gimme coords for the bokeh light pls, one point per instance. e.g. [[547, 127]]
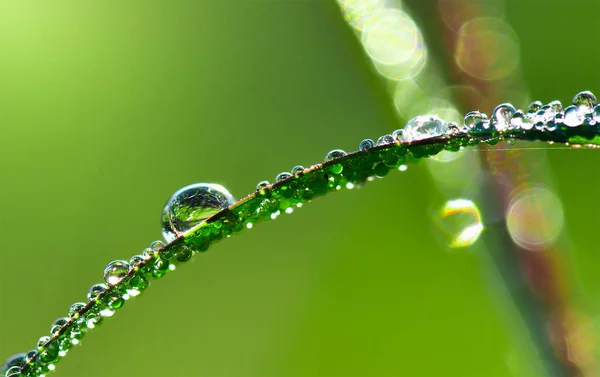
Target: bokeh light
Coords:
[[460, 221]]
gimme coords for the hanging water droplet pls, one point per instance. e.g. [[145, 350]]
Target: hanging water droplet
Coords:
[[366, 144], [57, 325], [75, 309], [573, 117], [282, 176], [502, 115], [16, 360], [425, 127], [115, 271], [534, 107], [192, 205], [95, 290], [385, 139], [297, 169], [476, 119], [585, 101], [556, 105], [334, 154], [262, 185]]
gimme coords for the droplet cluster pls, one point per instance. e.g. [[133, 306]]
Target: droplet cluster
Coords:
[[200, 214]]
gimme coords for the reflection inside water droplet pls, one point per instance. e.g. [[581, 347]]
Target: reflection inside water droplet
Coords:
[[460, 221], [191, 205]]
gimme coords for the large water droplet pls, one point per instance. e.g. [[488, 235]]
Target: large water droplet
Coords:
[[115, 271], [366, 144], [16, 360], [191, 205], [95, 290], [502, 115], [13, 372], [573, 117], [585, 101], [425, 127], [334, 154]]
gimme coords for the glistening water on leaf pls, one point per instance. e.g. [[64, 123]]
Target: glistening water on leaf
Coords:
[[200, 214]]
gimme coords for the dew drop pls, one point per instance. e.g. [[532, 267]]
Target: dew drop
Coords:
[[425, 127], [95, 290], [398, 135], [366, 144], [297, 169], [57, 325], [585, 101], [502, 115], [573, 117], [476, 119], [534, 107], [16, 360], [192, 205], [13, 372], [596, 113], [115, 271], [385, 140], [262, 185], [42, 341], [282, 176], [75, 309], [334, 154], [135, 261], [556, 105]]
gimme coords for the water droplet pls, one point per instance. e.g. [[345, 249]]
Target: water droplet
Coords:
[[13, 372], [398, 135], [282, 176], [573, 117], [135, 261], [75, 309], [425, 127], [297, 169], [534, 107], [366, 144], [42, 341], [476, 119], [385, 139], [585, 101], [596, 113], [115, 271], [192, 205], [95, 290], [334, 154], [262, 185], [517, 119], [16, 360], [57, 325], [556, 105], [502, 115]]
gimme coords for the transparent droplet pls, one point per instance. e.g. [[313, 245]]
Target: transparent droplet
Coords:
[[517, 119], [596, 113], [366, 144], [297, 169], [42, 341], [585, 101], [192, 205], [556, 105], [13, 372], [385, 139], [57, 325], [425, 127], [334, 154], [282, 176], [573, 117], [115, 271], [398, 135], [262, 185], [16, 360], [476, 119], [502, 115], [534, 107], [95, 290], [461, 223], [135, 261], [75, 309]]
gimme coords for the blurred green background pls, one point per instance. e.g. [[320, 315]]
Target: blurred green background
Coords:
[[109, 106]]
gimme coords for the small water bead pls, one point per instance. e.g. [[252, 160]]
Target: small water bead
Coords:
[[262, 185], [136, 261], [366, 144], [573, 117], [585, 101], [534, 107], [398, 135], [556, 105], [192, 205], [95, 290], [16, 360], [385, 140], [596, 113], [520, 120], [282, 176], [502, 115], [115, 271], [57, 325], [334, 154], [476, 119], [75, 309], [298, 169], [425, 127]]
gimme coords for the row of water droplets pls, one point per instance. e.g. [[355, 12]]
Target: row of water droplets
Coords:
[[192, 205]]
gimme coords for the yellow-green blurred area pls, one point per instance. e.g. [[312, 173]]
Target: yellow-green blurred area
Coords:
[[107, 107]]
